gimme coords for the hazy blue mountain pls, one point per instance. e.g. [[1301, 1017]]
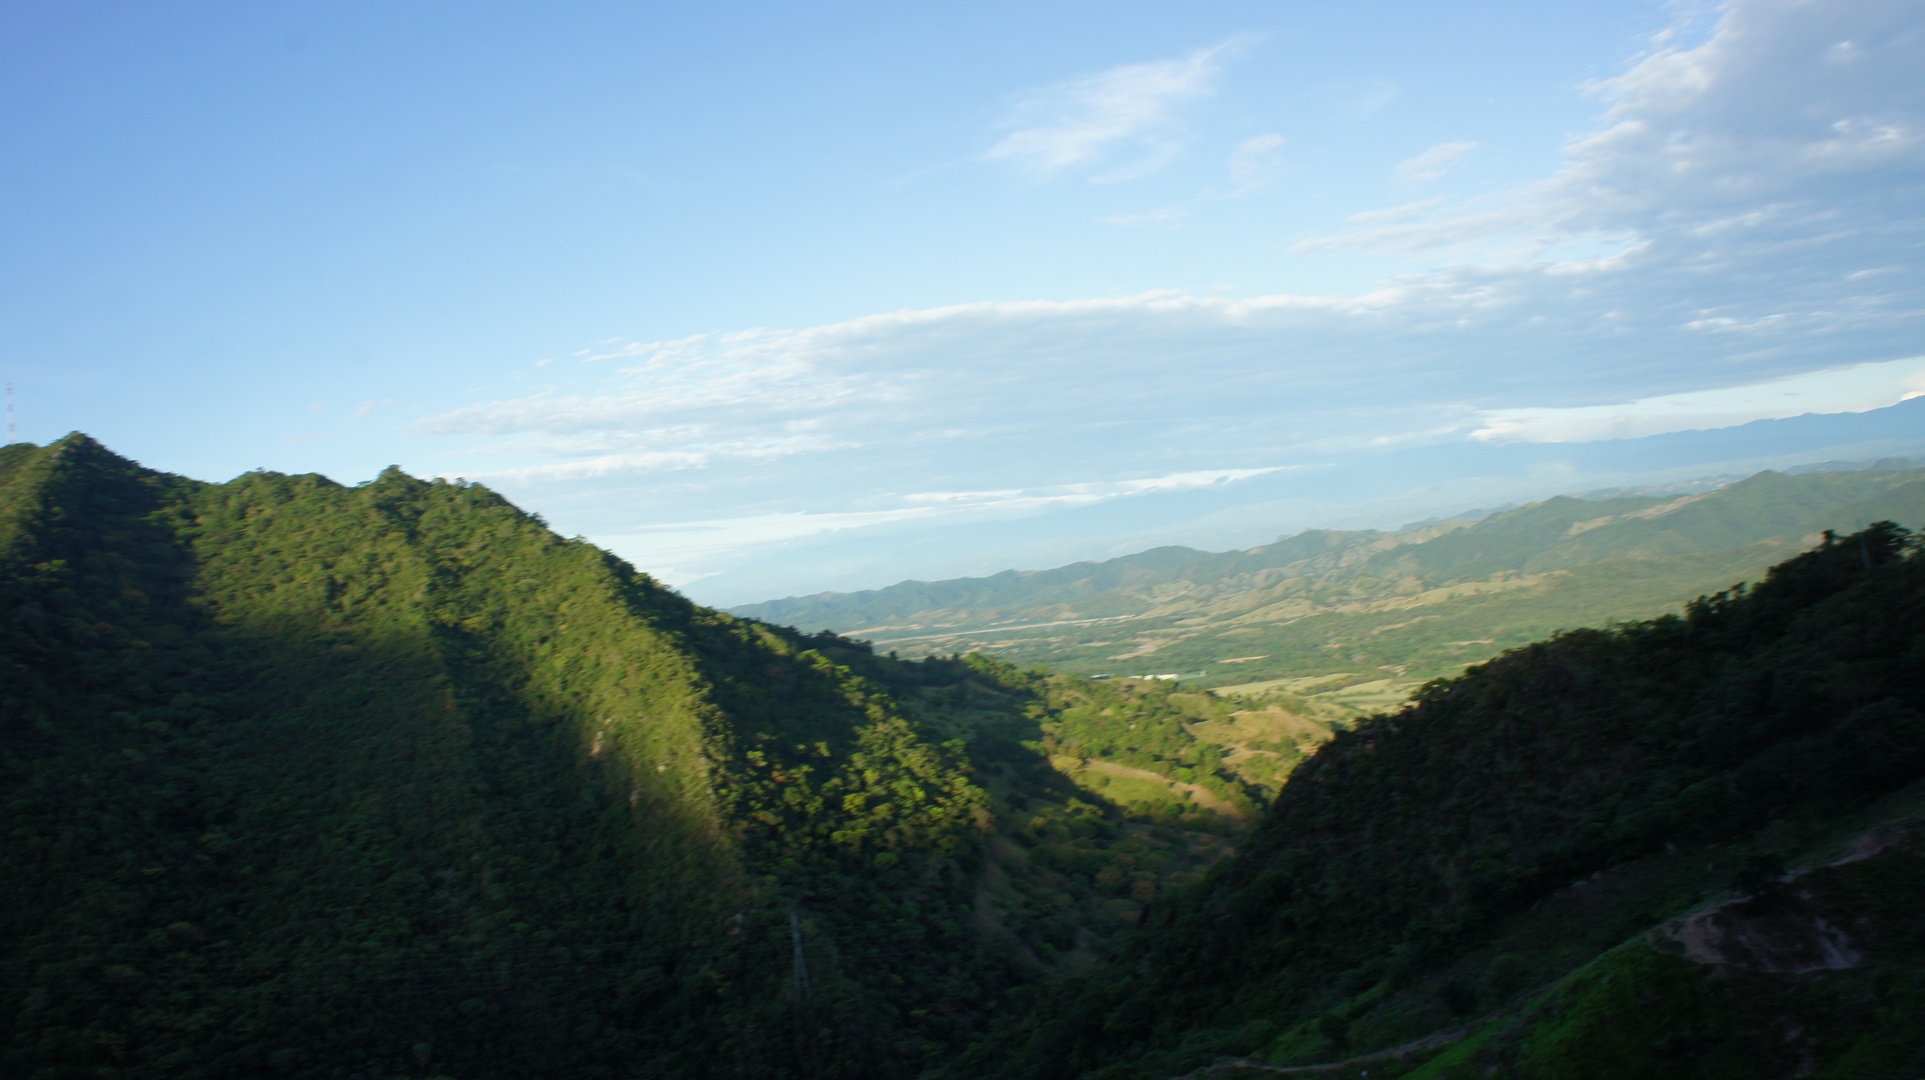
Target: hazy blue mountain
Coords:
[[1379, 490], [1406, 605]]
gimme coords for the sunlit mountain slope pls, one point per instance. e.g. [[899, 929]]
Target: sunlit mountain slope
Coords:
[[1683, 847], [315, 780], [1362, 607]]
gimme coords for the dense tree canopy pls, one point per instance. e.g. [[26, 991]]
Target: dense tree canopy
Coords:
[[391, 781]]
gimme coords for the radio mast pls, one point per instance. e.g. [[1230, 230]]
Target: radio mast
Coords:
[[11, 430]]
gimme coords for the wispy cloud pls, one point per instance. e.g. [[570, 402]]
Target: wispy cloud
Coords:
[[1126, 120], [1166, 216], [587, 464], [1742, 221], [1855, 389], [1076, 494], [367, 407], [1355, 99], [1037, 393], [1757, 138], [1433, 162], [1255, 164], [1392, 214], [677, 550]]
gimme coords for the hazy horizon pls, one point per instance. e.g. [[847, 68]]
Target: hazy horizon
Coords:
[[1223, 518]]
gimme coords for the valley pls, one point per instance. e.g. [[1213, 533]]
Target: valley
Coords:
[[1362, 610], [390, 781]]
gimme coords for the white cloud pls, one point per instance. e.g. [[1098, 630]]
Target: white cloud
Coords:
[[1856, 389], [1028, 393], [1166, 216], [367, 407], [1077, 494], [1755, 138], [1748, 213], [1126, 118], [1391, 214], [605, 465], [676, 550], [1433, 162], [693, 455], [1255, 164], [1354, 100]]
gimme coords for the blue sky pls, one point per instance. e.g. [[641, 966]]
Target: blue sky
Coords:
[[772, 298]]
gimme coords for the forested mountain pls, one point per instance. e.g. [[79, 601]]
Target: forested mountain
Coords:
[[1363, 606], [389, 781], [1692, 846]]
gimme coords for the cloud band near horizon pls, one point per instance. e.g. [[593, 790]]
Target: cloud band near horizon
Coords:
[[1746, 214]]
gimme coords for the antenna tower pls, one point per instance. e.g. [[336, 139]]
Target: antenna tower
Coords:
[[11, 430]]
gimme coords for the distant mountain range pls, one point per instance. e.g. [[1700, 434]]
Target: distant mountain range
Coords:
[[1376, 490], [1687, 847], [1401, 606]]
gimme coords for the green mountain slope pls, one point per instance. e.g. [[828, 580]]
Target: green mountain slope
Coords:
[[311, 780], [315, 781], [1372, 606], [1571, 862]]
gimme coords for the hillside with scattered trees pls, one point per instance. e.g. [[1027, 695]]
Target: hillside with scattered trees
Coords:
[[1682, 847]]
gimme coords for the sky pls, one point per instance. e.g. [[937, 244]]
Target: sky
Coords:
[[778, 298]]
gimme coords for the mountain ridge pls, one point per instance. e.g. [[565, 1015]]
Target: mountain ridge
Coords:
[[421, 757], [1283, 552], [1308, 598], [312, 780], [1575, 857]]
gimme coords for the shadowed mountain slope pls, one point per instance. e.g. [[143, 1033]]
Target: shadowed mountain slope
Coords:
[[307, 780], [317, 780], [1555, 819]]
